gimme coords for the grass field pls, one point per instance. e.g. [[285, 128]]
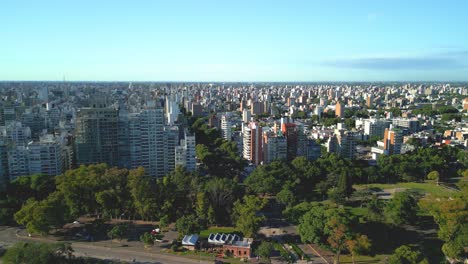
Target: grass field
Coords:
[[429, 188], [227, 230]]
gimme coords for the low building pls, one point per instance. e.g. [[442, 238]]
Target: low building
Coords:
[[190, 242], [239, 249]]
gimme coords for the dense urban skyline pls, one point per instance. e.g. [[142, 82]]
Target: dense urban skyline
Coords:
[[237, 41]]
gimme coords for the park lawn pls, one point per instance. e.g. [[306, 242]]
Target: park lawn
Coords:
[[217, 229], [429, 188]]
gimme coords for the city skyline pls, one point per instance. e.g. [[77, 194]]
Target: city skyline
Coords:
[[206, 41]]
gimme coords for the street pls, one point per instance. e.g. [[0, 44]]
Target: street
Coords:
[[8, 236]]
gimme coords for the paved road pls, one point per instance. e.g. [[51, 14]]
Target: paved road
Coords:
[[8, 237]]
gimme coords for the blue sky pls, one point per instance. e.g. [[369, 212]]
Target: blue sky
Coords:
[[241, 40]]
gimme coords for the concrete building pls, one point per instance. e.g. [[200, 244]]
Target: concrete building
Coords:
[[246, 116], [226, 127], [393, 140], [376, 127], [44, 157], [252, 143], [142, 142], [274, 146], [290, 131], [257, 108], [343, 143], [185, 153], [411, 124], [171, 140], [339, 109], [97, 136]]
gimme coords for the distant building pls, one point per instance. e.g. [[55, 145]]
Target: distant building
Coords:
[[226, 127], [393, 140], [185, 153], [290, 131], [370, 101], [257, 108], [339, 109], [246, 116], [411, 124], [343, 143], [376, 127], [197, 109]]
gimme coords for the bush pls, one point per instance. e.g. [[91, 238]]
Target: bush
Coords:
[[147, 239], [119, 231]]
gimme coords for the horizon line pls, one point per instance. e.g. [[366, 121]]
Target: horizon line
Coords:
[[240, 81]]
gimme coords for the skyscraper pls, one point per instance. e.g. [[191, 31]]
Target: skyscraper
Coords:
[[226, 127], [252, 140], [142, 142], [97, 135]]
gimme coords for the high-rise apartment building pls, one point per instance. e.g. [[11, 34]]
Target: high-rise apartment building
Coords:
[[226, 127], [252, 143], [97, 135], [171, 139], [376, 127], [290, 131], [44, 157], [185, 153], [142, 141], [339, 109], [393, 140], [274, 146]]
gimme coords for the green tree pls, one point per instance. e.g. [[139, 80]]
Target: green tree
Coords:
[[450, 215], [358, 245], [401, 209], [434, 176], [164, 222], [42, 216], [407, 255], [268, 178], [118, 231], [201, 209], [337, 237], [245, 214], [312, 225], [375, 209], [286, 196], [38, 253], [221, 194], [142, 191], [187, 225], [264, 249], [321, 223], [147, 239], [343, 190]]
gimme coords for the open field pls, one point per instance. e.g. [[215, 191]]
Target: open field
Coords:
[[423, 188]]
